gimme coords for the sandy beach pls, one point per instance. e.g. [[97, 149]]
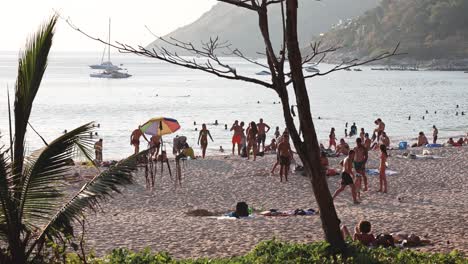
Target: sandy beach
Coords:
[[426, 197]]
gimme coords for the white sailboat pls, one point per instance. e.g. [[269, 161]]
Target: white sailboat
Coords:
[[110, 71]]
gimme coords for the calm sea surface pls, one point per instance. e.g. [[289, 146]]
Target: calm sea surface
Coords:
[[69, 98]]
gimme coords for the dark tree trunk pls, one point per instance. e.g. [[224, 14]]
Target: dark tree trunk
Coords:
[[309, 150]]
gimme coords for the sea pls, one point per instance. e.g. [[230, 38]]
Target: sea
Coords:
[[69, 97]]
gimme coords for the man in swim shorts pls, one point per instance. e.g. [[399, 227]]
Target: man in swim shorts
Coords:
[[360, 160], [346, 178], [237, 137], [435, 132], [135, 139], [261, 137]]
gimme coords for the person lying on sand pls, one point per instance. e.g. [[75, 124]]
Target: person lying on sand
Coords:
[[342, 148], [362, 233]]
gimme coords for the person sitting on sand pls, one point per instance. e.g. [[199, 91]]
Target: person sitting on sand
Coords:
[[346, 178], [187, 152], [284, 156], [460, 142], [362, 233], [237, 137], [252, 133], [155, 145], [324, 161], [203, 139], [221, 149], [450, 141], [332, 138], [135, 139], [342, 148], [272, 146], [422, 140]]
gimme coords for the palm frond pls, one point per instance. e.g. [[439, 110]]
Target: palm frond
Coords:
[[91, 194], [5, 199], [44, 173], [31, 68]]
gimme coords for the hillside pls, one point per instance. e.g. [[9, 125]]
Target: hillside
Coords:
[[240, 27], [427, 30]]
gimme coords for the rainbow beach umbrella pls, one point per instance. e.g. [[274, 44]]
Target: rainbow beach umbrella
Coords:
[[159, 126]]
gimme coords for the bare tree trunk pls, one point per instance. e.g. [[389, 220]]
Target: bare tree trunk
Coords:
[[309, 150]]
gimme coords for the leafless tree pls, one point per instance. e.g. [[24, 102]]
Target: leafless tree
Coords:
[[307, 145]]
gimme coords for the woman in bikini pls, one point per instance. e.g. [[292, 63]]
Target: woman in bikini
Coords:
[[252, 133], [382, 167], [203, 138], [332, 137]]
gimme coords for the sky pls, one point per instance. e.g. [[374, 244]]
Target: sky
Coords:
[[20, 18]]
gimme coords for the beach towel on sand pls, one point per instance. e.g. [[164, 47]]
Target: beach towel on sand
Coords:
[[375, 172]]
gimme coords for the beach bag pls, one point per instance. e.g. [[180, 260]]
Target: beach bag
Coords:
[[242, 209]]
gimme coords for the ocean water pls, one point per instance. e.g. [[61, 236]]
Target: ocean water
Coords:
[[69, 98]]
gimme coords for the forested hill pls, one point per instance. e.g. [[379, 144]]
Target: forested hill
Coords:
[[240, 26], [427, 30]]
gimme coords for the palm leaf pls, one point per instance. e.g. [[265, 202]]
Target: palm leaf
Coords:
[[91, 194], [5, 200], [31, 68], [44, 173]]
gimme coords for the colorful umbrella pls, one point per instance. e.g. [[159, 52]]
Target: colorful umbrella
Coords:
[[159, 126]]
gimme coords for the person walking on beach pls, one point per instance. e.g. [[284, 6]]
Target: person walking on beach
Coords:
[[263, 128], [332, 138], [203, 139], [237, 137], [382, 168], [360, 160], [346, 178], [277, 133], [98, 151], [252, 133], [284, 156], [435, 132], [135, 139]]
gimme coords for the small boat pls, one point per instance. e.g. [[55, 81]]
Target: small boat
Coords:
[[110, 74], [110, 71], [312, 69], [347, 69], [357, 69], [263, 73]]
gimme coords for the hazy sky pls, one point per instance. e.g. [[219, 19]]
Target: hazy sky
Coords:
[[19, 18]]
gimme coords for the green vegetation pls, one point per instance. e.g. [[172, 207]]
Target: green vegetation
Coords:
[[426, 29], [33, 210], [271, 252]]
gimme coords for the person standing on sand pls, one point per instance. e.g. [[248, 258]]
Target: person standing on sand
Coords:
[[385, 139], [135, 139], [360, 160], [379, 129], [346, 178], [367, 141], [98, 150], [203, 138], [362, 135], [278, 141], [262, 133], [382, 168], [237, 137], [252, 133], [155, 145], [435, 132], [277, 133], [284, 156], [332, 138]]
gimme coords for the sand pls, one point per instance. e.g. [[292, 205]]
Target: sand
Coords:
[[427, 197]]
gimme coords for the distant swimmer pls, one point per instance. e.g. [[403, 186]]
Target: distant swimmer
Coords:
[[458, 106], [423, 118], [65, 131], [435, 112], [456, 114], [346, 125], [157, 95], [95, 133], [258, 102], [221, 149], [196, 129], [216, 122], [319, 118], [98, 125], [194, 123], [409, 117], [274, 102], [427, 112], [463, 113], [225, 126]]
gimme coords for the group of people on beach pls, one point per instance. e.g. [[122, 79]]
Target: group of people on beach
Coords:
[[357, 158]]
